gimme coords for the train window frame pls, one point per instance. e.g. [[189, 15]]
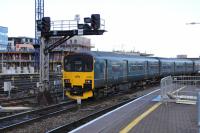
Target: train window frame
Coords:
[[154, 66], [116, 67], [136, 67]]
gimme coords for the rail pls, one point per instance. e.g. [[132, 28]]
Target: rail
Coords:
[[70, 126], [16, 120]]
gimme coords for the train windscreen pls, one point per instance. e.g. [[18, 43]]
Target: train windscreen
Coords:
[[78, 63]]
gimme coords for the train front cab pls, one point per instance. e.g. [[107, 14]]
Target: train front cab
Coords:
[[78, 76]]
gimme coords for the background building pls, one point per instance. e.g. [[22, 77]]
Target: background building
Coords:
[[20, 43], [182, 56], [75, 43], [12, 62], [20, 55], [3, 38]]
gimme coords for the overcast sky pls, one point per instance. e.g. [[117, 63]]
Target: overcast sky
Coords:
[[152, 26]]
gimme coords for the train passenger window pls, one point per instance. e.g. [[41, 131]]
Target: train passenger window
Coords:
[[101, 67], [136, 67], [78, 63], [116, 68]]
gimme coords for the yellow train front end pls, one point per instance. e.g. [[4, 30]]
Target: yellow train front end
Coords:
[[78, 76]]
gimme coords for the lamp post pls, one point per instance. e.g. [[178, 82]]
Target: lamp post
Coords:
[[198, 100], [192, 23]]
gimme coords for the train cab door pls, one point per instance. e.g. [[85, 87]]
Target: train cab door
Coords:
[[125, 70]]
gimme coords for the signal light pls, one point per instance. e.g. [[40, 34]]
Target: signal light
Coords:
[[87, 20], [84, 26], [46, 24], [95, 21], [80, 26]]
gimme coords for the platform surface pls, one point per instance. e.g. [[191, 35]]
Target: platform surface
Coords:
[[145, 115]]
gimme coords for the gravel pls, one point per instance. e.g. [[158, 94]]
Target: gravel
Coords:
[[82, 111]]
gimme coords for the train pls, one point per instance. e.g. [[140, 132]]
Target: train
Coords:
[[89, 74]]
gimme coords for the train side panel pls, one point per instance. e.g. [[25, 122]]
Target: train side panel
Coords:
[[180, 67], [137, 69], [197, 66], [189, 67], [100, 73], [166, 67], [153, 68]]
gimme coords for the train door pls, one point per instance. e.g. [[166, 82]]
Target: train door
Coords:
[[125, 70], [106, 72], [146, 69], [159, 68], [174, 68]]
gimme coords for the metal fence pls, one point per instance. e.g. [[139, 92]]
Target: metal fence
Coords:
[[180, 89]]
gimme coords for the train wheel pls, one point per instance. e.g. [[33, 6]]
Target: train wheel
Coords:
[[116, 89], [96, 94]]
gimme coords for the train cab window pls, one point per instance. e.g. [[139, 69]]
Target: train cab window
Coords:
[[78, 63]]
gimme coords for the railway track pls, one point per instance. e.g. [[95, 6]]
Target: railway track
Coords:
[[68, 127], [13, 121], [15, 101], [74, 116], [20, 100], [17, 105]]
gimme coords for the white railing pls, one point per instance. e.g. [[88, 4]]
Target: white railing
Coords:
[[180, 89]]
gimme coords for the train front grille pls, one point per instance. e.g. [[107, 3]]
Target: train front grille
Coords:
[[76, 90]]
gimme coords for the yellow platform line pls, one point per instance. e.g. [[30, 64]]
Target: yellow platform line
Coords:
[[139, 118]]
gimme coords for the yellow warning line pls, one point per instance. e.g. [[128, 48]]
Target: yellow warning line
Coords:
[[139, 118]]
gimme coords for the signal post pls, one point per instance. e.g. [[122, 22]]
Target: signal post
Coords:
[[92, 26]]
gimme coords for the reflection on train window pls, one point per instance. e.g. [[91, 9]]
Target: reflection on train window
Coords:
[[166, 66], [136, 67], [179, 66], [78, 63], [116, 68], [153, 66], [101, 67]]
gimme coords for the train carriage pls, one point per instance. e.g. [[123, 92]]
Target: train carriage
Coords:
[[197, 66], [86, 73], [166, 67]]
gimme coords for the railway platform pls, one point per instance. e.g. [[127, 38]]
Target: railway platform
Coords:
[[146, 114]]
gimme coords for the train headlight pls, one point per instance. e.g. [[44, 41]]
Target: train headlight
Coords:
[[88, 81], [66, 80]]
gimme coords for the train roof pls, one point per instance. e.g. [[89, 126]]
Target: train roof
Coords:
[[173, 59], [120, 56], [116, 56]]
